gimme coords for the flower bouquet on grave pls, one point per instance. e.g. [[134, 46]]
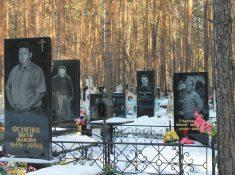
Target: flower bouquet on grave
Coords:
[[79, 123], [30, 168], [186, 139], [3, 168], [13, 168], [204, 126], [170, 137]]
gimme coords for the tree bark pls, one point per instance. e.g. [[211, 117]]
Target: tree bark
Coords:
[[188, 63], [172, 41], [31, 19], [60, 28], [206, 37], [7, 26], [107, 48], [145, 35], [224, 86], [163, 47], [1, 46]]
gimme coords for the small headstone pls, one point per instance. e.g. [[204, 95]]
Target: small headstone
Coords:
[[119, 107], [145, 93]]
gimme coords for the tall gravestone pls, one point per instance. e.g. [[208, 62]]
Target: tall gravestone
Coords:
[[190, 96], [28, 97], [66, 89], [119, 107], [145, 93]]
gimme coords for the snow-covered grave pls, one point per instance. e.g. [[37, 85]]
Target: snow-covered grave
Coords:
[[68, 170]]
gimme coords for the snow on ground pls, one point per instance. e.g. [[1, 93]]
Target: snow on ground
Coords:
[[113, 120], [73, 138], [69, 141], [29, 160], [159, 120], [150, 156], [68, 170]]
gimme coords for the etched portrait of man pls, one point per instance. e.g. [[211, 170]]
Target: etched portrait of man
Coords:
[[26, 84], [192, 101], [145, 84], [63, 93]]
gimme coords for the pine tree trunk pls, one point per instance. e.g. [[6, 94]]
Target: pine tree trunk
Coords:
[[188, 63], [145, 34], [206, 37], [107, 48], [1, 46], [31, 19], [163, 48], [60, 28], [225, 88], [7, 26], [172, 40], [53, 27]]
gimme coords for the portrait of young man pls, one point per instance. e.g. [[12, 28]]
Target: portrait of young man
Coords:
[[146, 86], [63, 93], [65, 89]]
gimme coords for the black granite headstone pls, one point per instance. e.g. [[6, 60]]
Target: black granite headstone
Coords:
[[66, 89], [93, 109], [104, 108], [145, 93], [119, 107], [28, 97], [190, 96]]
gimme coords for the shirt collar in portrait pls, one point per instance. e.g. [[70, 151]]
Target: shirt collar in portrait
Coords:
[[27, 67]]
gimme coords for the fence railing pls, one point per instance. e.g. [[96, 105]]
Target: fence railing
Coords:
[[140, 133], [127, 157], [138, 149]]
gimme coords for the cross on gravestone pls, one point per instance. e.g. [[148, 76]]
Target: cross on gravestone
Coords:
[[42, 42]]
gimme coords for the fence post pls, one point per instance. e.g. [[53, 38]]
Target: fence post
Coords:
[[170, 125], [105, 145], [213, 156], [181, 157]]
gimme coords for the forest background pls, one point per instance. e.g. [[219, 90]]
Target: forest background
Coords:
[[114, 39]]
